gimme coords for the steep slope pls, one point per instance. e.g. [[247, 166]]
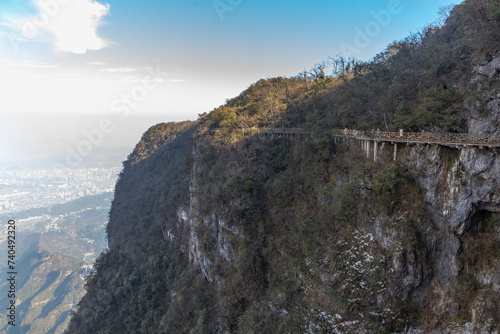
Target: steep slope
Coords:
[[55, 247], [136, 281], [48, 286], [216, 228]]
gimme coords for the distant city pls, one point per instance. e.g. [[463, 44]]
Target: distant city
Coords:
[[24, 190]]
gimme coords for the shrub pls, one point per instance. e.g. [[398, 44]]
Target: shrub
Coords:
[[385, 181]]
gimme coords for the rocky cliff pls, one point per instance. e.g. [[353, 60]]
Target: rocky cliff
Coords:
[[306, 235]]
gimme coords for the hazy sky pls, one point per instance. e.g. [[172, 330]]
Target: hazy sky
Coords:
[[172, 59]]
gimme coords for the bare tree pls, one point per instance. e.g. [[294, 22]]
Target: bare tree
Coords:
[[318, 72], [343, 67], [444, 13]]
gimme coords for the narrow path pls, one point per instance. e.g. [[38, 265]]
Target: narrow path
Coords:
[[445, 139]]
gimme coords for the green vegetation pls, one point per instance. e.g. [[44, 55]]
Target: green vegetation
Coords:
[[154, 138], [385, 181]]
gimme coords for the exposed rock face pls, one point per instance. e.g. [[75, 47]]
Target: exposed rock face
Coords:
[[194, 219], [457, 185], [484, 116], [490, 68], [455, 192], [220, 233]]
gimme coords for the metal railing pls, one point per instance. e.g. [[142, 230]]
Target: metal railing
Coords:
[[422, 137]]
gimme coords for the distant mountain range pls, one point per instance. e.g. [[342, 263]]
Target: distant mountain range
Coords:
[[53, 259], [48, 286]]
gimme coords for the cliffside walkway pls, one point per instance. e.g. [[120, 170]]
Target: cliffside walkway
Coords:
[[446, 139], [455, 140]]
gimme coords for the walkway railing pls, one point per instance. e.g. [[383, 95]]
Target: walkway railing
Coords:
[[459, 139]]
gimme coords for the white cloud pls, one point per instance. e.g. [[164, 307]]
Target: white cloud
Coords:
[[5, 28], [130, 79], [7, 24], [26, 64], [125, 69], [97, 63], [119, 70], [71, 24]]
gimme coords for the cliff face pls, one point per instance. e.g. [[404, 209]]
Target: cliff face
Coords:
[[418, 254], [144, 282], [279, 234], [193, 218], [461, 189]]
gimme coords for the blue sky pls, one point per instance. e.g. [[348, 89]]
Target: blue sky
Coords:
[[86, 57]]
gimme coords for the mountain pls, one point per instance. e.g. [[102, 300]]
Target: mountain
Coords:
[[221, 226], [48, 286], [56, 247]]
